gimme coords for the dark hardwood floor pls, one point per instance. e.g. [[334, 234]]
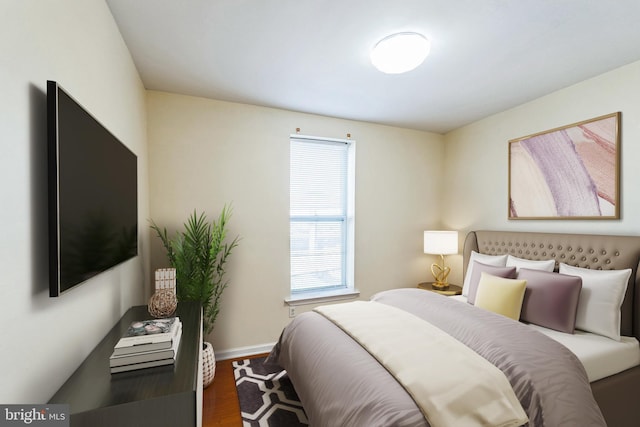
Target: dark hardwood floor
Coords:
[[220, 399]]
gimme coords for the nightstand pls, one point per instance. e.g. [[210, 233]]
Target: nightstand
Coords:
[[451, 290]]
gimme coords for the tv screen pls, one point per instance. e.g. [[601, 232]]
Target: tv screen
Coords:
[[93, 195]]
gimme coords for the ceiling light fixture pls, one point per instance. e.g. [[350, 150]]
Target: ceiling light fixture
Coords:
[[400, 52]]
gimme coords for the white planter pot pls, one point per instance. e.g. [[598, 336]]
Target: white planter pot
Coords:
[[208, 364]]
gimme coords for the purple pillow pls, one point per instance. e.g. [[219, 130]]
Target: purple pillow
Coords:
[[550, 299], [478, 269]]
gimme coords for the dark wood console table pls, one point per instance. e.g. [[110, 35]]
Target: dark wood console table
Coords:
[[168, 396]]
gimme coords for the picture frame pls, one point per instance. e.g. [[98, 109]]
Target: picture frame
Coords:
[[570, 172]]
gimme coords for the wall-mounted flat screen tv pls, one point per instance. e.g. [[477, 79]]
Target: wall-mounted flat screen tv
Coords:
[[93, 195]]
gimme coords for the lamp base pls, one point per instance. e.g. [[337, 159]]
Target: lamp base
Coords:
[[441, 286]]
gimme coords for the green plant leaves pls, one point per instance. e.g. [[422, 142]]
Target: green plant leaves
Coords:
[[199, 254]]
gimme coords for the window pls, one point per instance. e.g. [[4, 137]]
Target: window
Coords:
[[321, 216]]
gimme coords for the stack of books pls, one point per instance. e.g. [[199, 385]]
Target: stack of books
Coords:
[[147, 343]]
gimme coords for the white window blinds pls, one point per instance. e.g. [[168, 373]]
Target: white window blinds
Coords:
[[319, 200]]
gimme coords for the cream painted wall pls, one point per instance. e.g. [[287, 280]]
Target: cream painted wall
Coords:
[[205, 153], [477, 157], [76, 43]]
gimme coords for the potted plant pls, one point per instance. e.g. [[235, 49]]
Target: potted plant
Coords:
[[199, 254]]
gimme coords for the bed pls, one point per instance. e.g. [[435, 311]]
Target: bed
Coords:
[[341, 381]]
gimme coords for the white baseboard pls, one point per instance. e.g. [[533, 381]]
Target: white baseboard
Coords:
[[234, 353]]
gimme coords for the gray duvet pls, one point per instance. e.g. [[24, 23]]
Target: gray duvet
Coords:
[[340, 384]]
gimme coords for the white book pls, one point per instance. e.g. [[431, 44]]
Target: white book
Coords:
[[147, 356], [143, 365], [141, 348], [152, 331]]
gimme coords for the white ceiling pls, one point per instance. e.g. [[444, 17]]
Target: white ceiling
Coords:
[[313, 55]]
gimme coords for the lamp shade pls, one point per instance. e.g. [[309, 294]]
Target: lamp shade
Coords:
[[441, 242]]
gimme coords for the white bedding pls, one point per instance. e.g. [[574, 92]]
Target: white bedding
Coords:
[[600, 356], [475, 393]]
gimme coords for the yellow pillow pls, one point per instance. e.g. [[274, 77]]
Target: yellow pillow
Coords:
[[500, 295]]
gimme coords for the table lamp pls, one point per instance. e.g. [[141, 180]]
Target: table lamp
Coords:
[[440, 243]]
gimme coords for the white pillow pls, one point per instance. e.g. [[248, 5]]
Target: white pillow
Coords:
[[495, 260], [518, 263], [600, 299]]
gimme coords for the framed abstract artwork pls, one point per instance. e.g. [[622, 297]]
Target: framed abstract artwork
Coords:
[[572, 172]]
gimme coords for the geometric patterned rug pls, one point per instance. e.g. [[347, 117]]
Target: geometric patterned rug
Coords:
[[267, 397]]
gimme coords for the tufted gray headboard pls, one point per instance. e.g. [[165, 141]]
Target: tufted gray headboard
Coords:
[[582, 250]]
